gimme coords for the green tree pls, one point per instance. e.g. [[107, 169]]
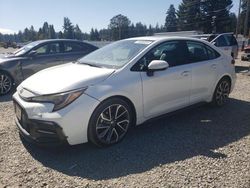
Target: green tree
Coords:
[[60, 35], [243, 16], [78, 33], [32, 34], [190, 15], [140, 29], [68, 29], [119, 25], [150, 31], [216, 15], [171, 19], [45, 30], [52, 33], [92, 34]]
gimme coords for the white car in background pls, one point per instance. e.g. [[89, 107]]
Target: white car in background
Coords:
[[225, 41], [122, 84]]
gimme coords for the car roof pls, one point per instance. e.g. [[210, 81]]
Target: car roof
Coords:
[[165, 38], [56, 40]]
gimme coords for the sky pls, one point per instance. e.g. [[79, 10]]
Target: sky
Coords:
[[15, 15]]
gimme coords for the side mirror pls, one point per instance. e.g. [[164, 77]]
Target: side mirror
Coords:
[[157, 65], [32, 53]]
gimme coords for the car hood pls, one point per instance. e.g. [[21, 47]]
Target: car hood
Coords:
[[4, 58], [64, 78]]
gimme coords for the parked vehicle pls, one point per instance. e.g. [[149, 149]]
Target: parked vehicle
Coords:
[[225, 41], [246, 51], [128, 82], [36, 56]]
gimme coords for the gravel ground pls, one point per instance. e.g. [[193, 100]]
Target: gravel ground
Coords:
[[201, 147]]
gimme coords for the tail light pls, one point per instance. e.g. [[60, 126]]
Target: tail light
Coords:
[[233, 61]]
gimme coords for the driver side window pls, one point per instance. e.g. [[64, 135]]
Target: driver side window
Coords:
[[51, 48], [173, 52]]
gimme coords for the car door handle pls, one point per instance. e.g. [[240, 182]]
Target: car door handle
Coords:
[[185, 73], [214, 66]]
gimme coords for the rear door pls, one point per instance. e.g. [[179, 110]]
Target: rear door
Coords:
[[205, 65], [75, 50]]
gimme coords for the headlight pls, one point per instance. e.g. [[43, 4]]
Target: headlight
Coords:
[[60, 100]]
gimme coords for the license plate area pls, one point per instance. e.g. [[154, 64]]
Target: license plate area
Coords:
[[18, 112]]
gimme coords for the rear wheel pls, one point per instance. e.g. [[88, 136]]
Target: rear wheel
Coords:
[[222, 92], [6, 83], [110, 122]]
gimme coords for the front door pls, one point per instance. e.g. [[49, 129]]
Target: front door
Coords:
[[47, 55], [167, 90]]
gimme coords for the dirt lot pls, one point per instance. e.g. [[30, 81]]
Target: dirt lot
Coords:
[[202, 147]]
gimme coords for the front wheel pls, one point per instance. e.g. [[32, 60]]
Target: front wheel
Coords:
[[109, 123], [6, 83], [222, 92]]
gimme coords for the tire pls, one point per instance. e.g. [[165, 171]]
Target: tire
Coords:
[[6, 83], [221, 93], [109, 122]]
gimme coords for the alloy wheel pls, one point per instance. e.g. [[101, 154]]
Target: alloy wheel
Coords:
[[5, 84], [112, 124], [222, 93]]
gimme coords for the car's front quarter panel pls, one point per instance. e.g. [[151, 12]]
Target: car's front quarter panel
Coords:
[[122, 83], [13, 67], [73, 119]]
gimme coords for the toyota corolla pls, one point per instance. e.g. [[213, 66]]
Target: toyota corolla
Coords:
[[125, 83]]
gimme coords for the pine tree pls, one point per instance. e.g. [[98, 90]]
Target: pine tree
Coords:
[[78, 33], [171, 19], [45, 30], [219, 11], [68, 29], [52, 33], [32, 33], [190, 15], [92, 34], [150, 31]]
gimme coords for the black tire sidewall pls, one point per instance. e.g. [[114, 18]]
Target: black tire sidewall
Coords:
[[92, 136]]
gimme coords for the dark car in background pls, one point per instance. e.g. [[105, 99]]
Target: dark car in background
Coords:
[[36, 56]]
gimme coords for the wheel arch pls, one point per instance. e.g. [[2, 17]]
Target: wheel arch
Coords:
[[226, 76], [9, 74]]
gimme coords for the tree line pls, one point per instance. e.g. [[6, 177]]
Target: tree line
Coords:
[[202, 15]]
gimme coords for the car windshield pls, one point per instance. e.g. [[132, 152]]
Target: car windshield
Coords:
[[115, 55], [26, 48]]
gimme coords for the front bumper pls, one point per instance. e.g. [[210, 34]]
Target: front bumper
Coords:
[[41, 133], [42, 125]]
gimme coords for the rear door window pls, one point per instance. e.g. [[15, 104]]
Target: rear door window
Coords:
[[222, 41], [73, 47], [212, 54], [232, 40], [197, 52]]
